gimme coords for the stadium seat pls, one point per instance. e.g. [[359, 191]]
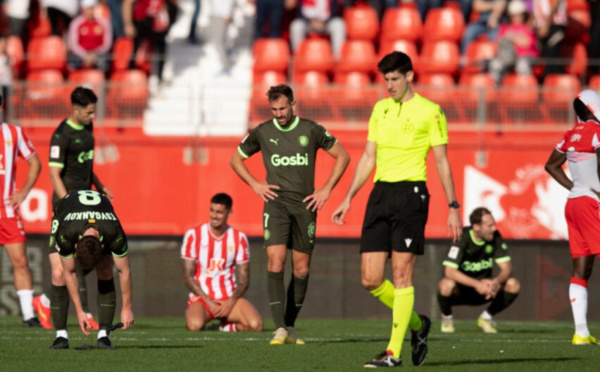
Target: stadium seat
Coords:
[[122, 49], [443, 24], [16, 53], [574, 5], [47, 53], [45, 96], [127, 93], [356, 55], [355, 96], [262, 81], [517, 98], [438, 88], [313, 54], [102, 11], [314, 95], [361, 22], [401, 23], [560, 89], [406, 46], [40, 27], [478, 53], [439, 57], [475, 87], [93, 79], [577, 52], [271, 54]]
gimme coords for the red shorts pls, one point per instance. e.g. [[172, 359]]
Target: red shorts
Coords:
[[11, 230], [200, 300], [583, 222]]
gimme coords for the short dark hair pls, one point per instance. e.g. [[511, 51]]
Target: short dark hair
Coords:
[[89, 251], [583, 112], [280, 90], [83, 97], [477, 215], [222, 198], [395, 61]]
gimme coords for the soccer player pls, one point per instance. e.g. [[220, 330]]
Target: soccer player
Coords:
[[12, 235], [289, 147], [85, 228], [71, 168], [468, 273], [402, 129], [216, 270], [581, 148]]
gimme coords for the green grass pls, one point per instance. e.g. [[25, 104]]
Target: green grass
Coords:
[[162, 344]]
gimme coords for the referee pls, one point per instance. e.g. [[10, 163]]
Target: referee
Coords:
[[402, 129]]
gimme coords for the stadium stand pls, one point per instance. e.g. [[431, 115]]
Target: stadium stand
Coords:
[[361, 22], [271, 54], [479, 52], [128, 93], [519, 96], [16, 53], [356, 56], [438, 57], [558, 93], [45, 96], [445, 23], [91, 78], [44, 53], [401, 23]]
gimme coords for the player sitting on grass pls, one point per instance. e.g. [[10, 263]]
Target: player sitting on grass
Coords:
[[468, 273]]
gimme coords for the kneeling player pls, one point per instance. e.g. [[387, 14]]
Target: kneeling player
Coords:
[[468, 273], [216, 269], [84, 225]]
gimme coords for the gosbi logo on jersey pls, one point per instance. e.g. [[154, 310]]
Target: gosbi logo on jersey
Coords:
[[85, 155], [296, 160], [215, 266], [477, 266]]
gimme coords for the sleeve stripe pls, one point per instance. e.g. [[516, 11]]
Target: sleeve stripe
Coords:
[[503, 259], [55, 164], [242, 153], [122, 254], [450, 263]]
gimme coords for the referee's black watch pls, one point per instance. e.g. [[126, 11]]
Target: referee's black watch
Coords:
[[454, 204]]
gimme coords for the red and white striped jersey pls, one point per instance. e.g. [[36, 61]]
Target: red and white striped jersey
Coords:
[[215, 259], [15, 143]]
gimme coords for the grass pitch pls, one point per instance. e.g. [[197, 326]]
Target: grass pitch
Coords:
[[163, 344]]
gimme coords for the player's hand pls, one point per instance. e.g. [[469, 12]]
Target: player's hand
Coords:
[[106, 191], [224, 308], [16, 198], [484, 288], [454, 224], [129, 30], [84, 324], [126, 318], [317, 199], [265, 191], [338, 215]]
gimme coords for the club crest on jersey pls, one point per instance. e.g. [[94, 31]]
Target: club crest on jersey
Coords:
[[408, 127], [230, 247], [215, 266], [311, 230], [303, 140], [267, 234], [489, 249]]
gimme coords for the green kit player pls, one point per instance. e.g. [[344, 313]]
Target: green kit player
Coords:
[[289, 147]]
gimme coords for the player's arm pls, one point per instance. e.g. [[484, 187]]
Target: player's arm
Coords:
[[35, 167], [101, 187], [365, 166], [123, 267], [503, 276], [482, 287], [554, 168], [262, 189], [243, 281], [57, 182], [320, 196], [129, 28], [445, 173], [189, 271], [68, 264]]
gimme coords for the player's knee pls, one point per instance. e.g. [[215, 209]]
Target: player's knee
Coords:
[[370, 283], [194, 324], [255, 325], [446, 286], [301, 273], [512, 285], [57, 278]]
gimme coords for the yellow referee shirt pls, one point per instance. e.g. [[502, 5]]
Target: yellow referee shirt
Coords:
[[404, 133]]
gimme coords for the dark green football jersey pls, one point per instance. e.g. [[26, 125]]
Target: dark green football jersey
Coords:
[[72, 149], [477, 259], [80, 210], [289, 154]]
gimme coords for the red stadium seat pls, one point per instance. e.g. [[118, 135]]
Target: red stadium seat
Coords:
[[313, 54], [262, 81], [478, 52], [594, 83], [560, 88], [46, 53], [361, 22], [355, 96], [40, 28], [271, 54], [102, 11], [438, 88], [45, 95], [517, 99], [439, 57], [356, 55], [405, 46], [122, 50], [93, 79], [574, 5], [401, 23], [476, 87], [314, 95], [16, 53], [443, 24], [128, 93], [578, 53]]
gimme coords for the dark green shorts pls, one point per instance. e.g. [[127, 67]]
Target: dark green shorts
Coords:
[[291, 224]]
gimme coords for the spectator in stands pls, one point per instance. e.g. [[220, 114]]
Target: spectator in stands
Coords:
[[90, 39], [379, 5], [425, 5], [221, 14], [150, 21], [550, 22], [116, 17], [594, 46], [516, 44], [321, 17], [192, 38], [271, 11], [489, 14], [6, 74], [18, 13], [60, 13]]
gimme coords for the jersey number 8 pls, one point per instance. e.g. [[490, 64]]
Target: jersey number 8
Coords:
[[89, 197]]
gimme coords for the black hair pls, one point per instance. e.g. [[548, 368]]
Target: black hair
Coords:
[[583, 112], [477, 215], [280, 90], [83, 97], [395, 61], [89, 252], [222, 198]]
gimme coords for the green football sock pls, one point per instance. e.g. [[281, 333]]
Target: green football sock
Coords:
[[59, 306], [83, 292], [295, 299], [107, 299], [404, 300], [276, 293], [385, 294], [501, 302]]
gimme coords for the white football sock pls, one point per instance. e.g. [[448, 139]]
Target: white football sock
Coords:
[[485, 315], [62, 333], [25, 298], [579, 303], [102, 333]]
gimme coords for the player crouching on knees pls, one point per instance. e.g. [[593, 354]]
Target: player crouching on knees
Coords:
[[216, 270], [468, 273]]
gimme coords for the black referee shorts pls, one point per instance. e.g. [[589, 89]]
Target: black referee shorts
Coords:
[[395, 218]]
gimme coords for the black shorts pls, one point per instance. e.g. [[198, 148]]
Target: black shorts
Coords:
[[291, 224], [463, 295], [395, 218]]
